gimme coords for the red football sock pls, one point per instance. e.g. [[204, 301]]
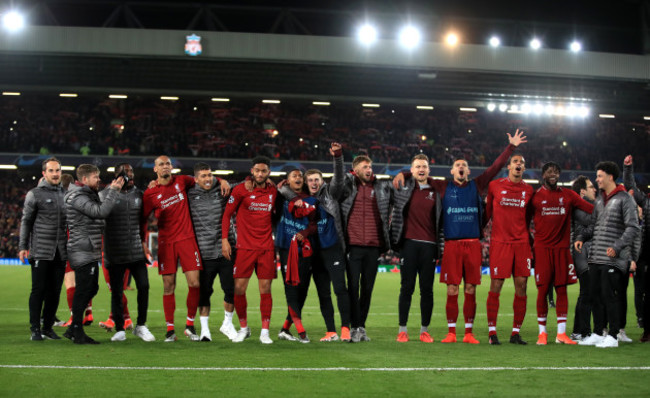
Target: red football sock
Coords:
[[70, 294], [192, 304], [562, 302], [296, 320], [519, 309], [452, 312], [469, 311], [169, 307], [542, 301], [266, 306], [240, 307], [492, 311], [287, 324]]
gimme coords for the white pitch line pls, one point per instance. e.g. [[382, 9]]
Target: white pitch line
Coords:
[[339, 369]]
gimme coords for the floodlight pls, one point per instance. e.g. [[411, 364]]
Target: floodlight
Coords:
[[367, 34], [491, 107], [451, 39], [495, 41], [503, 107], [535, 44], [409, 37], [575, 46], [13, 21]]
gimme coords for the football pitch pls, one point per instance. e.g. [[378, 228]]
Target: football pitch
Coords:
[[380, 367]]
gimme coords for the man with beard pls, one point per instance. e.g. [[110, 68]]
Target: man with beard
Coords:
[[365, 204], [207, 204], [254, 245], [43, 240], [510, 255], [124, 250], [85, 216], [552, 207]]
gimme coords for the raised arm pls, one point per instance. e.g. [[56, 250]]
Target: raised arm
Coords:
[[629, 182], [484, 179], [336, 186]]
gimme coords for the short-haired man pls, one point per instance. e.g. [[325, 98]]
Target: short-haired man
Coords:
[[207, 205], [254, 244], [581, 219], [43, 240], [613, 232], [85, 216], [510, 255], [552, 207], [124, 250], [365, 205]]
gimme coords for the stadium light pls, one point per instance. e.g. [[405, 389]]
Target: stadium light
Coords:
[[452, 39], [14, 93], [321, 103], [535, 44], [409, 37], [68, 95], [68, 168], [367, 34], [8, 167], [278, 173], [169, 98], [463, 109], [270, 101], [370, 105], [117, 96], [491, 107], [424, 107], [575, 46], [13, 21], [606, 116], [495, 41], [220, 99], [503, 107], [223, 172]]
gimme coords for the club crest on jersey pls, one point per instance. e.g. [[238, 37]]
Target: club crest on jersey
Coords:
[[159, 196], [372, 193], [430, 196], [231, 199], [271, 198], [561, 201], [137, 201], [523, 195], [504, 192], [178, 189]]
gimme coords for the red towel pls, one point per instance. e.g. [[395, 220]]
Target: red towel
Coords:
[[293, 273]]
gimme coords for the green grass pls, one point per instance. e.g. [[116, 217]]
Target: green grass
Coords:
[[198, 360]]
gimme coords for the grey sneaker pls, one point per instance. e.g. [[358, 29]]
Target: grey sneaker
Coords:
[[304, 340], [362, 334], [622, 337], [242, 335], [190, 332], [286, 335], [575, 336], [355, 336]]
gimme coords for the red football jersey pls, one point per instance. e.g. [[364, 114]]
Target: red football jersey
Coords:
[[254, 216], [507, 205], [552, 216], [171, 209]]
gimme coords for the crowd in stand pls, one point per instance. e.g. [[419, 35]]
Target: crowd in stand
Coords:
[[299, 131]]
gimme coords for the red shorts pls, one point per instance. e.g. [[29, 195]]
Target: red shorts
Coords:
[[262, 261], [185, 250], [461, 259], [68, 268], [509, 259], [554, 265]]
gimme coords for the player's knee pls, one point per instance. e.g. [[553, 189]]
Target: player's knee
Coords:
[[452, 290]]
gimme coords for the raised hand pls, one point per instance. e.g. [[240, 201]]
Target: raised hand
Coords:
[[518, 138], [628, 160]]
